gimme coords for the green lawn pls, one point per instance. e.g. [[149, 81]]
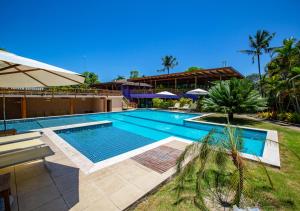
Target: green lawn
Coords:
[[286, 192]]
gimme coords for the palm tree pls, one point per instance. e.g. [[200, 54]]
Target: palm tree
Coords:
[[233, 96], [169, 62], [259, 44], [283, 68], [216, 169]]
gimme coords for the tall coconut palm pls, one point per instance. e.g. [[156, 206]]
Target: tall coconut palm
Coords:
[[169, 62], [215, 166], [284, 67], [233, 96], [259, 44]]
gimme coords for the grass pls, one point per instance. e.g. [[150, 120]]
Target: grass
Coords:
[[286, 192]]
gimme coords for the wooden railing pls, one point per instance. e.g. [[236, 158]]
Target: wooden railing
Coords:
[[60, 91], [127, 104]]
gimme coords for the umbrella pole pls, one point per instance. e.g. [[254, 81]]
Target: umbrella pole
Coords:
[[4, 112]]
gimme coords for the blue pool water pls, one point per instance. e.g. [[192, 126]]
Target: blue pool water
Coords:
[[134, 129]]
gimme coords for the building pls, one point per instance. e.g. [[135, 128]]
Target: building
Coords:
[[184, 81], [25, 103], [142, 90], [124, 86]]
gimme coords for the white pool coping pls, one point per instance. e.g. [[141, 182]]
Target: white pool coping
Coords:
[[86, 165], [270, 155]]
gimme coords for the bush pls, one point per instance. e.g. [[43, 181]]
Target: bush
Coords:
[[281, 116], [287, 116], [156, 102], [184, 101], [296, 118], [200, 104], [166, 104], [160, 103]]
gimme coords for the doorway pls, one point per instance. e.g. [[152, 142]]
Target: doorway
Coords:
[[108, 105]]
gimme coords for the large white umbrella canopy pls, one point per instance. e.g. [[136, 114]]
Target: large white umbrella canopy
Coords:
[[17, 71], [197, 92], [20, 72], [165, 93]]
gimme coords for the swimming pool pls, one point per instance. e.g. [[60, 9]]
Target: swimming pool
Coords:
[[133, 129]]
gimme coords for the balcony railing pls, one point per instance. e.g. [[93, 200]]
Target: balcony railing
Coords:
[[60, 92]]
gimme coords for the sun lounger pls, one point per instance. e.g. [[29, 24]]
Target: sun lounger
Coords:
[[185, 107], [193, 107], [19, 137], [176, 106], [23, 150], [6, 148], [22, 156]]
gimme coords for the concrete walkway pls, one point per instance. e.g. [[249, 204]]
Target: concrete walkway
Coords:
[[62, 186]]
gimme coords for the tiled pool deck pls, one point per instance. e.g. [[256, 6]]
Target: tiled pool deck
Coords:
[[72, 182], [63, 186]]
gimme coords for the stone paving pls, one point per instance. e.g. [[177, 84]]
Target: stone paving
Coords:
[[62, 186]]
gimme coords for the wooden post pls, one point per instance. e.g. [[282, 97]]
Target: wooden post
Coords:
[[23, 107], [72, 106], [175, 83], [155, 84], [195, 82]]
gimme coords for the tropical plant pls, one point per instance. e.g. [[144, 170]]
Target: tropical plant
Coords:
[[259, 44], [254, 77], [213, 168], [90, 78], [134, 74], [192, 69], [156, 102], [184, 101], [283, 77], [169, 62], [119, 77], [160, 103], [233, 96]]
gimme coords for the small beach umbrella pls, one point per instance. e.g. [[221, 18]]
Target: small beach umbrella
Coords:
[[197, 92], [165, 93], [21, 72]]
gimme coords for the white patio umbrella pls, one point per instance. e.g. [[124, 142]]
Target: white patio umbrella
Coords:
[[17, 71], [21, 72], [197, 92], [165, 93]]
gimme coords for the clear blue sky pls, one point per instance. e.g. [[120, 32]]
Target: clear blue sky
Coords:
[[113, 37]]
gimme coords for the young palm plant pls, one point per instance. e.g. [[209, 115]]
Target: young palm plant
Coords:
[[169, 62], [213, 168], [233, 96]]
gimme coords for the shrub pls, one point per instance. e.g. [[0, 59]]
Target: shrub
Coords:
[[287, 116], [281, 116], [156, 102], [184, 101], [160, 103], [200, 104], [296, 118], [166, 104]]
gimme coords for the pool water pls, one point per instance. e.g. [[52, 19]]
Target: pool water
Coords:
[[134, 129], [96, 143]]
